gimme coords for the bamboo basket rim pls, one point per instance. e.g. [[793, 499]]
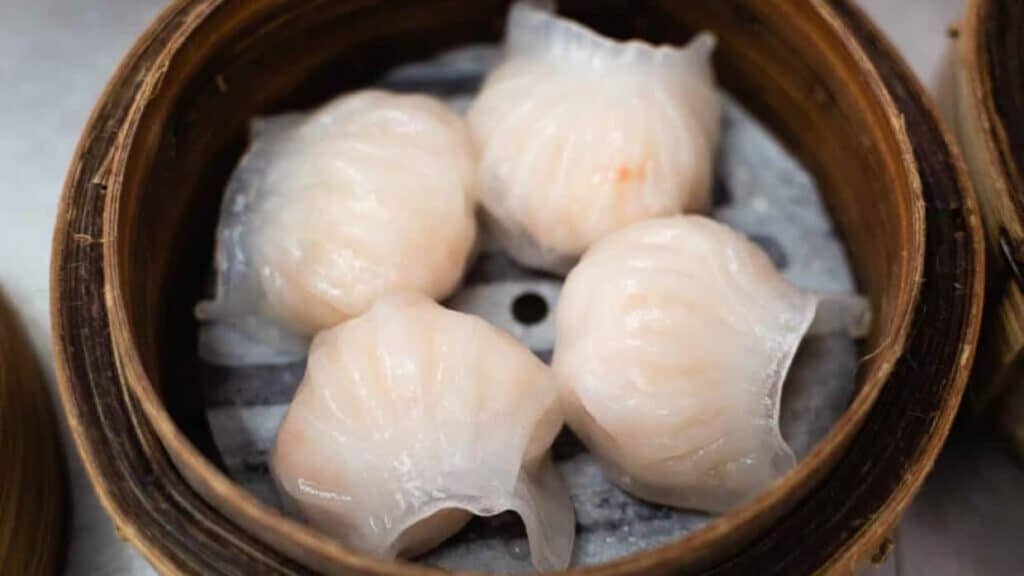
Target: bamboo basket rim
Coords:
[[976, 66], [30, 530], [186, 15], [200, 469], [979, 13], [914, 476], [994, 164]]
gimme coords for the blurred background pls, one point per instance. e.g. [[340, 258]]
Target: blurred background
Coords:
[[55, 57]]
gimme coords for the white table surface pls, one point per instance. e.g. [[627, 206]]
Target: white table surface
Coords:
[[56, 55]]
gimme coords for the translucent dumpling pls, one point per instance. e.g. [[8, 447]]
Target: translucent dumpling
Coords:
[[412, 417], [370, 193], [581, 135], [673, 340]]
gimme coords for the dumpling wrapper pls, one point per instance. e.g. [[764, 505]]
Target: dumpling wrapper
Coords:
[[412, 417], [372, 192], [581, 135], [673, 340]]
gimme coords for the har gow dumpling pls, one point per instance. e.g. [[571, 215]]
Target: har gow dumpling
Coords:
[[372, 192], [412, 417], [674, 337], [581, 135]]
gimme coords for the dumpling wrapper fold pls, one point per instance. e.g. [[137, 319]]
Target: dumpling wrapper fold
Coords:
[[411, 418], [581, 135], [674, 337]]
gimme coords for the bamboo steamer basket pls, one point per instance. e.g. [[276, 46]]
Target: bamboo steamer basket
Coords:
[[988, 112], [31, 484], [136, 226]]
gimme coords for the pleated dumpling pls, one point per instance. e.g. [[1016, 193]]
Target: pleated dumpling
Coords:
[[372, 192], [412, 417], [674, 337], [581, 135]]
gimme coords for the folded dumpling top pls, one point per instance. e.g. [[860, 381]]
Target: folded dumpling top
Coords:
[[413, 416], [370, 193], [581, 135], [674, 337]]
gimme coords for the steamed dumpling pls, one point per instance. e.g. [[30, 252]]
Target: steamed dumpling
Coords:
[[673, 340], [581, 135], [412, 417], [373, 192]]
